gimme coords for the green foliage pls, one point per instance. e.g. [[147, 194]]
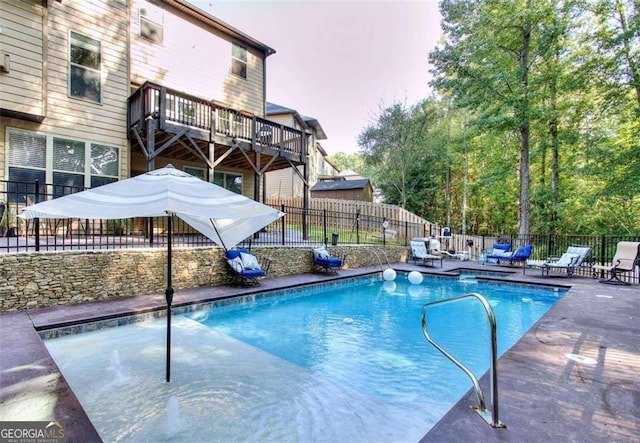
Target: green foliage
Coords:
[[538, 107]]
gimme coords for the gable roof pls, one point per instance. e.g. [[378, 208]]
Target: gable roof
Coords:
[[305, 121], [340, 185]]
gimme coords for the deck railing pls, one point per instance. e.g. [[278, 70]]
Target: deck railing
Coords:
[[299, 227], [170, 106]]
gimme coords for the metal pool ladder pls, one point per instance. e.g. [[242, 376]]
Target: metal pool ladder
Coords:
[[493, 417]]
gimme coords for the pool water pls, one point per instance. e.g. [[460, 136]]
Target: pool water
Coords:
[[336, 362]]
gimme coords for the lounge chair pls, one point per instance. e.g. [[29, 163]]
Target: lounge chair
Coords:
[[435, 248], [498, 251], [418, 253], [572, 259], [246, 268], [323, 261], [521, 254], [624, 261]]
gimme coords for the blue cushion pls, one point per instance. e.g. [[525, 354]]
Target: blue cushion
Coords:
[[331, 262], [253, 273], [506, 247], [233, 253], [522, 253]]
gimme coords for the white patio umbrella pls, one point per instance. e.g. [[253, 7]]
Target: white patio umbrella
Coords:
[[223, 216]]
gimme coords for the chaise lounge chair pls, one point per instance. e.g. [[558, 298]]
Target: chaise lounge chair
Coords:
[[624, 261], [572, 259], [498, 251], [521, 254], [246, 268], [323, 261], [435, 248], [418, 252]]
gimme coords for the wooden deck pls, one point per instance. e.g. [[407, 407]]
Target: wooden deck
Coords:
[[173, 124]]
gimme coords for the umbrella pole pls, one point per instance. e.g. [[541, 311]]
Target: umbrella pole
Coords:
[[168, 293]]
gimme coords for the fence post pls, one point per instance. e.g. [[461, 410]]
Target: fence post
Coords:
[[603, 245], [385, 225], [282, 229], [324, 227], [406, 231], [36, 221], [358, 226]]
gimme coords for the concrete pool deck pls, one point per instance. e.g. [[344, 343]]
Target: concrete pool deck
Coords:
[[544, 393]]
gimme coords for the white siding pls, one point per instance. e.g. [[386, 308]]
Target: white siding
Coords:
[[287, 120], [195, 59], [21, 89], [105, 122]]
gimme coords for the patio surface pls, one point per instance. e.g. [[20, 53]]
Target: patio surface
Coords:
[[543, 394]]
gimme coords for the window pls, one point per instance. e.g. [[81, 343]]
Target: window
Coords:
[[239, 61], [27, 163], [201, 173], [69, 164], [152, 23], [228, 180], [85, 64]]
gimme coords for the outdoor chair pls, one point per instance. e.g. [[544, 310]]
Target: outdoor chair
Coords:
[[325, 262], [571, 260], [624, 261], [246, 268], [418, 252], [498, 251], [435, 249], [521, 254]]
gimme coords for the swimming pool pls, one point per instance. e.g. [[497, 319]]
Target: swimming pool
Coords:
[[335, 362]]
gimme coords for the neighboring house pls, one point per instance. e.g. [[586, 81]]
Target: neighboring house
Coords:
[[359, 189], [348, 174], [291, 182], [92, 91]]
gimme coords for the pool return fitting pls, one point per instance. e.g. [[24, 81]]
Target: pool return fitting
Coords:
[[493, 417]]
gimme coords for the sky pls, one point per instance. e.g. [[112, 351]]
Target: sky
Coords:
[[340, 62]]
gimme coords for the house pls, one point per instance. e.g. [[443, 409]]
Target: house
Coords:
[[93, 91], [290, 182], [63, 94], [359, 189]]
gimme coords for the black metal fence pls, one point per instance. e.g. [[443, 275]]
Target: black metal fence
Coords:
[[299, 227]]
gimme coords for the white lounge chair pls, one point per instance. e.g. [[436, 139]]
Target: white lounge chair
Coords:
[[435, 249], [624, 261], [418, 252], [572, 259]]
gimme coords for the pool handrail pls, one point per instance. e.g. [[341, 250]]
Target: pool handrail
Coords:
[[492, 419]]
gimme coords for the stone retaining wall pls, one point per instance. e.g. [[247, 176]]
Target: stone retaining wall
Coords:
[[37, 280]]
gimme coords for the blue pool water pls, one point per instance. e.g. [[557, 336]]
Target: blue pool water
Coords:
[[339, 362]]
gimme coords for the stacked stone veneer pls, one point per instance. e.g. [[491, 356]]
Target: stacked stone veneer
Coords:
[[36, 280]]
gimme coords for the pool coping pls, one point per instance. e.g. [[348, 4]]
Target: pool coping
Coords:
[[540, 389]]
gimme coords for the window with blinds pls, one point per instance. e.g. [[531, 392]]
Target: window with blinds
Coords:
[[69, 165]]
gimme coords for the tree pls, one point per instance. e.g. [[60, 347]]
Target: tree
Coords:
[[486, 64], [403, 150]]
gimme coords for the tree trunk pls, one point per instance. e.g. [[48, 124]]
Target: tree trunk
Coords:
[[524, 130]]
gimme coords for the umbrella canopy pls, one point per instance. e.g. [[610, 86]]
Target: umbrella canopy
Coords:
[[225, 217]]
